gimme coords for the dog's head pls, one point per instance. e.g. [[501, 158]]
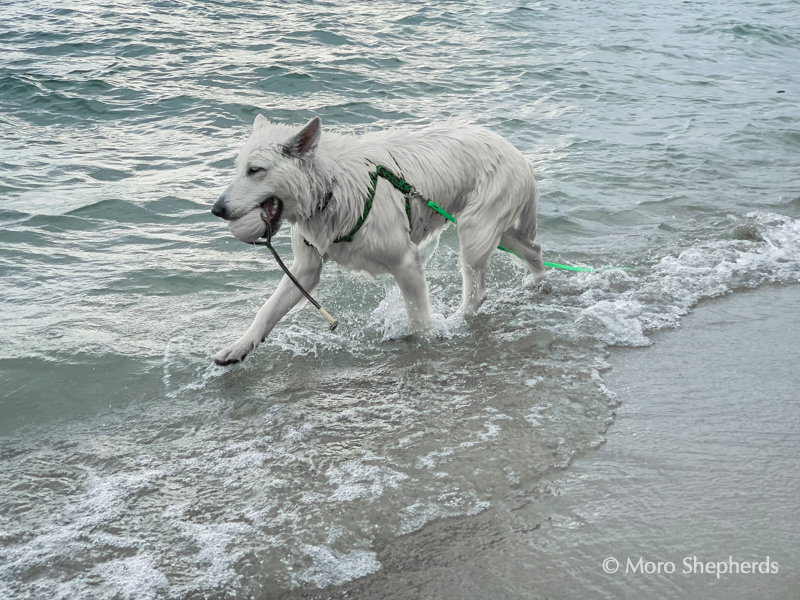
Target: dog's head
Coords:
[[272, 179]]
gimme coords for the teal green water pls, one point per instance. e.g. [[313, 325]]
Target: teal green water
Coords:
[[664, 137]]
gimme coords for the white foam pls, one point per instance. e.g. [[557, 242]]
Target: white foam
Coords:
[[354, 480], [390, 315], [677, 283], [391, 320], [492, 431], [538, 414], [330, 567], [617, 322], [214, 561], [133, 578], [447, 505], [78, 528]]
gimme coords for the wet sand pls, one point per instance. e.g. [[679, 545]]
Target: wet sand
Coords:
[[702, 465]]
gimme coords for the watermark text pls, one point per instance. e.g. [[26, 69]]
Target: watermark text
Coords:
[[691, 565]]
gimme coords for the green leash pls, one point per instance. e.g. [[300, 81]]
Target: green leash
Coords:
[[450, 217], [408, 190]]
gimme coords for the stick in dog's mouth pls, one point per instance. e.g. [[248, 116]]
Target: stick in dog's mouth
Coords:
[[268, 235]]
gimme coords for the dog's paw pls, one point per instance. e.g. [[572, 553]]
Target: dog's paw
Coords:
[[235, 352]]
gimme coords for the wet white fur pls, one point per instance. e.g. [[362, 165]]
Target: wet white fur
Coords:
[[473, 173]]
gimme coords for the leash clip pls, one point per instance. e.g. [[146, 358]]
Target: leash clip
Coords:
[[417, 195]]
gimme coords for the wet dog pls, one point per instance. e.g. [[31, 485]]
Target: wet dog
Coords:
[[321, 185]]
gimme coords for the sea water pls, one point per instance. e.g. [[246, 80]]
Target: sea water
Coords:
[[664, 138]]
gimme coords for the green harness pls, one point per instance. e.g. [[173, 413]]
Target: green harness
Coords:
[[408, 190], [397, 182]]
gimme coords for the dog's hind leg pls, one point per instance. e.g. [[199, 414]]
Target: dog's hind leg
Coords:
[[527, 249], [520, 237], [410, 276]]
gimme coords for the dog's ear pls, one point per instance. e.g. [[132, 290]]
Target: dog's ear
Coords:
[[260, 121], [305, 142]]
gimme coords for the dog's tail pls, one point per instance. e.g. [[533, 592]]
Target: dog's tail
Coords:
[[527, 218]]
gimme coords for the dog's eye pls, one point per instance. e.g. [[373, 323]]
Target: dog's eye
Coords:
[[255, 170]]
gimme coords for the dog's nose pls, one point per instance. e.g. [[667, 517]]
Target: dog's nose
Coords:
[[220, 208]]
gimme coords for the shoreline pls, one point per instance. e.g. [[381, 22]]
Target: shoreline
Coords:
[[700, 465]]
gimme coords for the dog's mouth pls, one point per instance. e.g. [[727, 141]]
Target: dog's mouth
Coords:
[[273, 210]]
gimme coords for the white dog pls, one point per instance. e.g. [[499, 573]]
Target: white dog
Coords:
[[321, 184]]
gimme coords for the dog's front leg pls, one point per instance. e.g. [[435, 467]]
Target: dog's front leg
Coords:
[[307, 270], [410, 276]]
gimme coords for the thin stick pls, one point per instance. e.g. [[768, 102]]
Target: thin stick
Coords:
[[334, 322]]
